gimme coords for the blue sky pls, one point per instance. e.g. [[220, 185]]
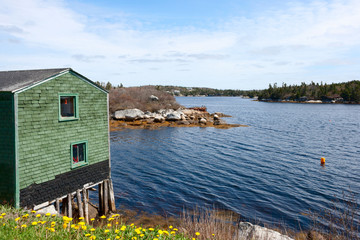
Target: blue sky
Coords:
[[221, 44]]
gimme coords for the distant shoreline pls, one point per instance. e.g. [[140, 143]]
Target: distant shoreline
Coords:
[[306, 102]]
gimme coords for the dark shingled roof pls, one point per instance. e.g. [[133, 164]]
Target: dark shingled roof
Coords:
[[14, 80]]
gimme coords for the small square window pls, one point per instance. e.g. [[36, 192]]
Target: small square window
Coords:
[[68, 107], [79, 154]]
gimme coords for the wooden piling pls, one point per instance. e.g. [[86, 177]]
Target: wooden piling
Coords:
[[80, 206], [69, 205], [106, 197], [57, 206], [101, 199], [86, 205], [111, 196]]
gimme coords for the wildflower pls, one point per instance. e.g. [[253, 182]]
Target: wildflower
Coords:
[[109, 225], [132, 224], [48, 214], [213, 234], [87, 235], [117, 223], [155, 239], [23, 226], [25, 216], [52, 229], [16, 227], [170, 227], [117, 231], [83, 227], [175, 229], [81, 223], [92, 230], [42, 222], [123, 228], [151, 229], [110, 219], [81, 218], [38, 215], [197, 234], [92, 219], [108, 239], [34, 223], [53, 223], [102, 217], [141, 235], [64, 225], [106, 231], [3, 214], [72, 225], [93, 237], [33, 211], [160, 232], [117, 237], [1, 217], [133, 238], [172, 232], [54, 215], [17, 219]]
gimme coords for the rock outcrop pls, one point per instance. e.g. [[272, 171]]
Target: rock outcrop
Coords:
[[250, 231]]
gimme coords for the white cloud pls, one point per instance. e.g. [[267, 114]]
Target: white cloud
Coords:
[[274, 45]]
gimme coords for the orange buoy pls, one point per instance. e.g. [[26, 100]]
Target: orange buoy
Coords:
[[322, 161]]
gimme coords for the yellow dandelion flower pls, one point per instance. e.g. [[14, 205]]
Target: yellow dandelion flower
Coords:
[[81, 218], [87, 235], [197, 234], [172, 232], [53, 223], [48, 214], [108, 239], [151, 229], [110, 219], [3, 214], [16, 227], [175, 229], [52, 229], [170, 227], [117, 231], [93, 237], [166, 232], [72, 225], [133, 238], [155, 239], [83, 227], [34, 223], [17, 219], [92, 230], [81, 223], [132, 224], [25, 216], [106, 231], [141, 235], [102, 217], [92, 219], [54, 215], [117, 237], [109, 225], [38, 215], [1, 217], [23, 226], [33, 211], [117, 223], [65, 225], [43, 222], [160, 232], [123, 228]]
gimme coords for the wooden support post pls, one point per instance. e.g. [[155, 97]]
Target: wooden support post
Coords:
[[69, 205], [112, 206], [64, 206], [106, 197], [86, 205], [57, 206], [101, 199], [80, 206]]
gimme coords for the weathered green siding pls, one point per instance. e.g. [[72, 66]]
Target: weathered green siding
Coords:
[[44, 141], [7, 148]]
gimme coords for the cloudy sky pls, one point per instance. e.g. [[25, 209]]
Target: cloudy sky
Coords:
[[237, 44]]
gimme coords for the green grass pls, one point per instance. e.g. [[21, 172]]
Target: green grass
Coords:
[[20, 224]]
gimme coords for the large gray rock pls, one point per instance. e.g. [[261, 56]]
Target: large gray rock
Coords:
[[129, 114], [154, 98], [250, 231], [174, 116], [159, 118]]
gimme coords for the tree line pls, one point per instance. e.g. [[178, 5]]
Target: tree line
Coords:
[[346, 92]]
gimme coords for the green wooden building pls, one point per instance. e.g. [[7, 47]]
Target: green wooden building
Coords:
[[54, 132]]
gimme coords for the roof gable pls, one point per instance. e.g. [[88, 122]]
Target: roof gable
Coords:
[[14, 81]]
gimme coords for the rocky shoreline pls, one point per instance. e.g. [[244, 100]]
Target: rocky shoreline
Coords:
[[182, 117]]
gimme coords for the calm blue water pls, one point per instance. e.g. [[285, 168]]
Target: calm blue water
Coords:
[[269, 172]]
